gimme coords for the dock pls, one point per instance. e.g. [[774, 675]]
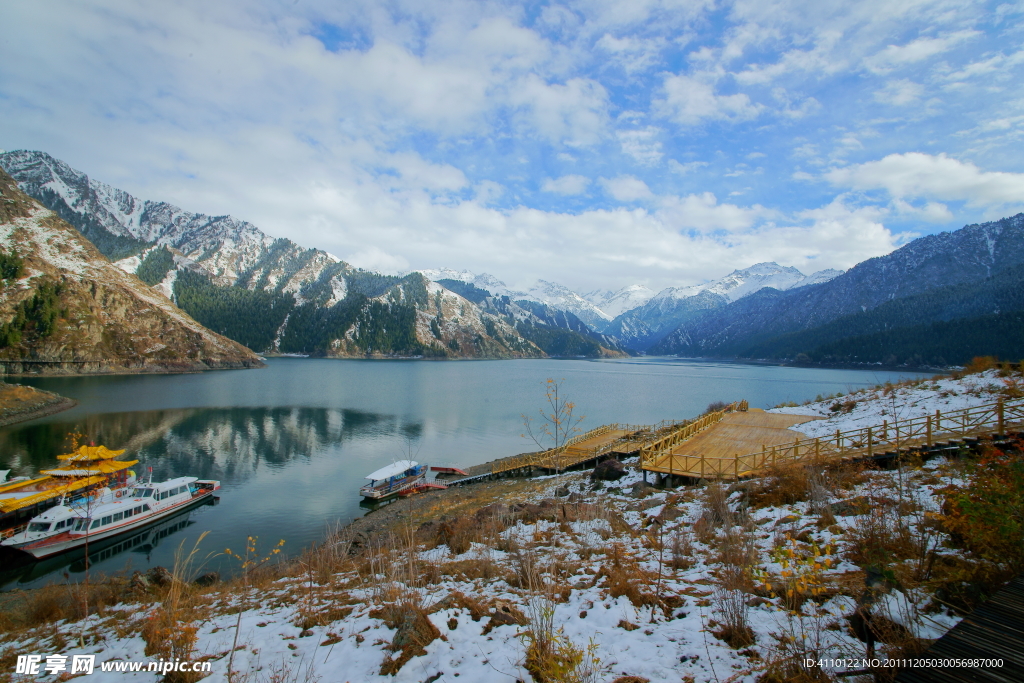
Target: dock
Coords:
[[736, 443], [993, 635]]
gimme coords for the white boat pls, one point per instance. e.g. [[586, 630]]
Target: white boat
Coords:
[[145, 504], [394, 479], [63, 516]]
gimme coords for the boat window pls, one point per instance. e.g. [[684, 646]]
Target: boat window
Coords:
[[108, 519], [95, 523], [147, 493], [39, 526], [127, 513], [163, 494], [118, 516], [80, 524], [138, 509], [145, 508]]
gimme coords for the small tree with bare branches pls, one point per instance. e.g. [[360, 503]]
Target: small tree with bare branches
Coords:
[[558, 421]]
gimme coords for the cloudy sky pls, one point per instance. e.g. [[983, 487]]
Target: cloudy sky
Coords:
[[593, 143]]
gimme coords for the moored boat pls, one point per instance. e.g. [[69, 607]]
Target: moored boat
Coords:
[[146, 503], [83, 470], [394, 479]]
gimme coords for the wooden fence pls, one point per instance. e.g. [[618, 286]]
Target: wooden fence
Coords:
[[654, 450], [891, 437]]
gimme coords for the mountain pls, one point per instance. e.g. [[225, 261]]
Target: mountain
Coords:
[[619, 301], [644, 326], [551, 294], [68, 309], [268, 293], [955, 274], [556, 332]]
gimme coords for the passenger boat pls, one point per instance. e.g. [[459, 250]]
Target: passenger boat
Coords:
[[394, 479], [83, 470], [405, 478], [144, 504]]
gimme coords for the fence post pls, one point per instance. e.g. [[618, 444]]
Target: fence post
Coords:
[[928, 431], [885, 429], [736, 466], [870, 452], [796, 449], [839, 442], [999, 416], [773, 455], [764, 455], [701, 465], [817, 449]]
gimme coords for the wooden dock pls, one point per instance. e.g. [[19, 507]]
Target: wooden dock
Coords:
[[731, 445], [993, 632], [735, 433], [577, 452]]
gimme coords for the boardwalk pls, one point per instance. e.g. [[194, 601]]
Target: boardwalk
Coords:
[[583, 450], [727, 445], [734, 433], [994, 631]]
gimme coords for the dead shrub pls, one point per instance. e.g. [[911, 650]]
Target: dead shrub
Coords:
[[458, 533], [681, 546], [414, 631], [625, 577]]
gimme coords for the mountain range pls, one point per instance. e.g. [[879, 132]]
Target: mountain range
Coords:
[[275, 296], [67, 309]]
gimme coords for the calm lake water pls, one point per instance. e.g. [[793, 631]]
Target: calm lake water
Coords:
[[292, 442]]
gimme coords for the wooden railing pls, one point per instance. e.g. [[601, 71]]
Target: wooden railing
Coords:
[[894, 436], [665, 445], [558, 455]]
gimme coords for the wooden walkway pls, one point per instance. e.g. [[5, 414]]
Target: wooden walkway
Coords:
[[994, 631], [581, 451], [726, 445], [734, 433]]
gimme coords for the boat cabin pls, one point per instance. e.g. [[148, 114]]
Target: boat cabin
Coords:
[[393, 479]]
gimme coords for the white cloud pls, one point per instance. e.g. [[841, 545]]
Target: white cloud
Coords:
[[641, 144], [900, 92], [689, 101], [566, 185], [626, 188], [703, 212], [894, 56], [939, 177], [632, 54]]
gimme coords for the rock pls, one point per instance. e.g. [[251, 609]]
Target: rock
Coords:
[[608, 470], [627, 625], [670, 514], [138, 584], [576, 498], [305, 633], [757, 602], [804, 536], [641, 489], [561, 491], [207, 579], [159, 576], [492, 511]]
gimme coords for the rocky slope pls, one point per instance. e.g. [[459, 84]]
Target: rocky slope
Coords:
[[642, 327], [269, 294], [973, 254], [67, 309]]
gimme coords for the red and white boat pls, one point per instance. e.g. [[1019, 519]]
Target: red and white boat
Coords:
[[82, 525]]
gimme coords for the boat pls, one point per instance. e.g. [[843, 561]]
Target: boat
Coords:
[[404, 478], [393, 479], [83, 470], [145, 504]]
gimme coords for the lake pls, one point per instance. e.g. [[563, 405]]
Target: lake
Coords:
[[292, 442]]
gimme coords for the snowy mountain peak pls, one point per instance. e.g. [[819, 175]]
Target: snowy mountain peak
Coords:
[[615, 302]]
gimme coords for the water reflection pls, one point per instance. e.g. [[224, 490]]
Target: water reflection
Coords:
[[229, 444]]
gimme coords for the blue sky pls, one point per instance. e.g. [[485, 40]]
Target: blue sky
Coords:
[[596, 144]]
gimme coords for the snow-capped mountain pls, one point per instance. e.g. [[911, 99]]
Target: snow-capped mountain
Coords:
[[938, 277], [643, 326], [282, 297], [230, 250], [100, 319], [616, 302], [551, 294]]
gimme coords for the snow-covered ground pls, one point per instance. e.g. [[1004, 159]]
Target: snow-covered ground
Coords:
[[581, 547], [869, 407]]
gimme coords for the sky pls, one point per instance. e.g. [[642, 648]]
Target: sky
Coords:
[[596, 144]]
